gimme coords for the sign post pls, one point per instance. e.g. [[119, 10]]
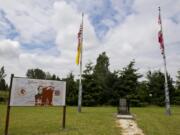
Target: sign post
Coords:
[[8, 108], [64, 117]]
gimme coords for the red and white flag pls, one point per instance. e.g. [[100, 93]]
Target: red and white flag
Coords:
[[160, 34]]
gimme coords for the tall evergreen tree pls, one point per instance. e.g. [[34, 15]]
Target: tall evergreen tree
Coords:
[[129, 81], [113, 84], [101, 68], [2, 73], [101, 72], [3, 85], [178, 80], [177, 90], [71, 90], [143, 93], [40, 74], [90, 91], [36, 73], [156, 87]]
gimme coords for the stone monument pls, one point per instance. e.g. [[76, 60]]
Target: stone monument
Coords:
[[123, 106]]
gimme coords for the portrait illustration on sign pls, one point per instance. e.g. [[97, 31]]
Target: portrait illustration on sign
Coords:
[[35, 92], [44, 95]]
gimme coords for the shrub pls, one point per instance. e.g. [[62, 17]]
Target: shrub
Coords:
[[4, 96]]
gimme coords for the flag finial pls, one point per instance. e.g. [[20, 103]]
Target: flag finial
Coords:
[[82, 17], [159, 8]]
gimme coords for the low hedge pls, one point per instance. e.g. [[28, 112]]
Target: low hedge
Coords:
[[4, 96]]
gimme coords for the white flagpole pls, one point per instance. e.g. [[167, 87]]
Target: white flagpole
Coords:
[[167, 100], [80, 82]]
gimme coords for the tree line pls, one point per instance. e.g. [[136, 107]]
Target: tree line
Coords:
[[104, 87]]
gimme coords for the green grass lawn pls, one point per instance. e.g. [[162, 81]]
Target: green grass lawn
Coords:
[[48, 121], [92, 121], [153, 121]]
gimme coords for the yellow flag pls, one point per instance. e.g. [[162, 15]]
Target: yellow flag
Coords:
[[78, 55], [79, 47]]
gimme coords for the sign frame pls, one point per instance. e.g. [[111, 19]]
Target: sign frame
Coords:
[[44, 84], [9, 106]]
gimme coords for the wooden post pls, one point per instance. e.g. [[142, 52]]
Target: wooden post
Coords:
[[8, 108], [64, 117]]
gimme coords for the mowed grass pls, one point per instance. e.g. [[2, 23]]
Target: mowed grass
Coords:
[[48, 121], [153, 120], [92, 121]]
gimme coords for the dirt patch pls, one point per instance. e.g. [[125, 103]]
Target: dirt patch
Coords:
[[129, 127]]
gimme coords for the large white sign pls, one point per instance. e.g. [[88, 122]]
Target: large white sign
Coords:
[[35, 92]]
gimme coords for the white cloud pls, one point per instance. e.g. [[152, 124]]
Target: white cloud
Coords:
[[133, 36], [30, 18], [67, 22], [9, 49], [64, 21], [138, 32]]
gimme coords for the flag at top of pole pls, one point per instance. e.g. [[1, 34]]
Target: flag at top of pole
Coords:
[[79, 47], [160, 33]]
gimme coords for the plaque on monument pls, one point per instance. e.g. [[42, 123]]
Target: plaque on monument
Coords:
[[123, 106]]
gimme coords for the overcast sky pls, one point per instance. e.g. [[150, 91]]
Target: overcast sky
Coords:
[[43, 34]]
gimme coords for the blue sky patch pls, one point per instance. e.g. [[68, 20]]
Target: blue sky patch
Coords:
[[99, 13], [176, 18], [106, 12], [7, 29]]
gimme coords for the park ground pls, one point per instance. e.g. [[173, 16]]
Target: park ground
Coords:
[[92, 121]]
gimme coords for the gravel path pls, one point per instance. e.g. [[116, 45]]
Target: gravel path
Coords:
[[129, 127]]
